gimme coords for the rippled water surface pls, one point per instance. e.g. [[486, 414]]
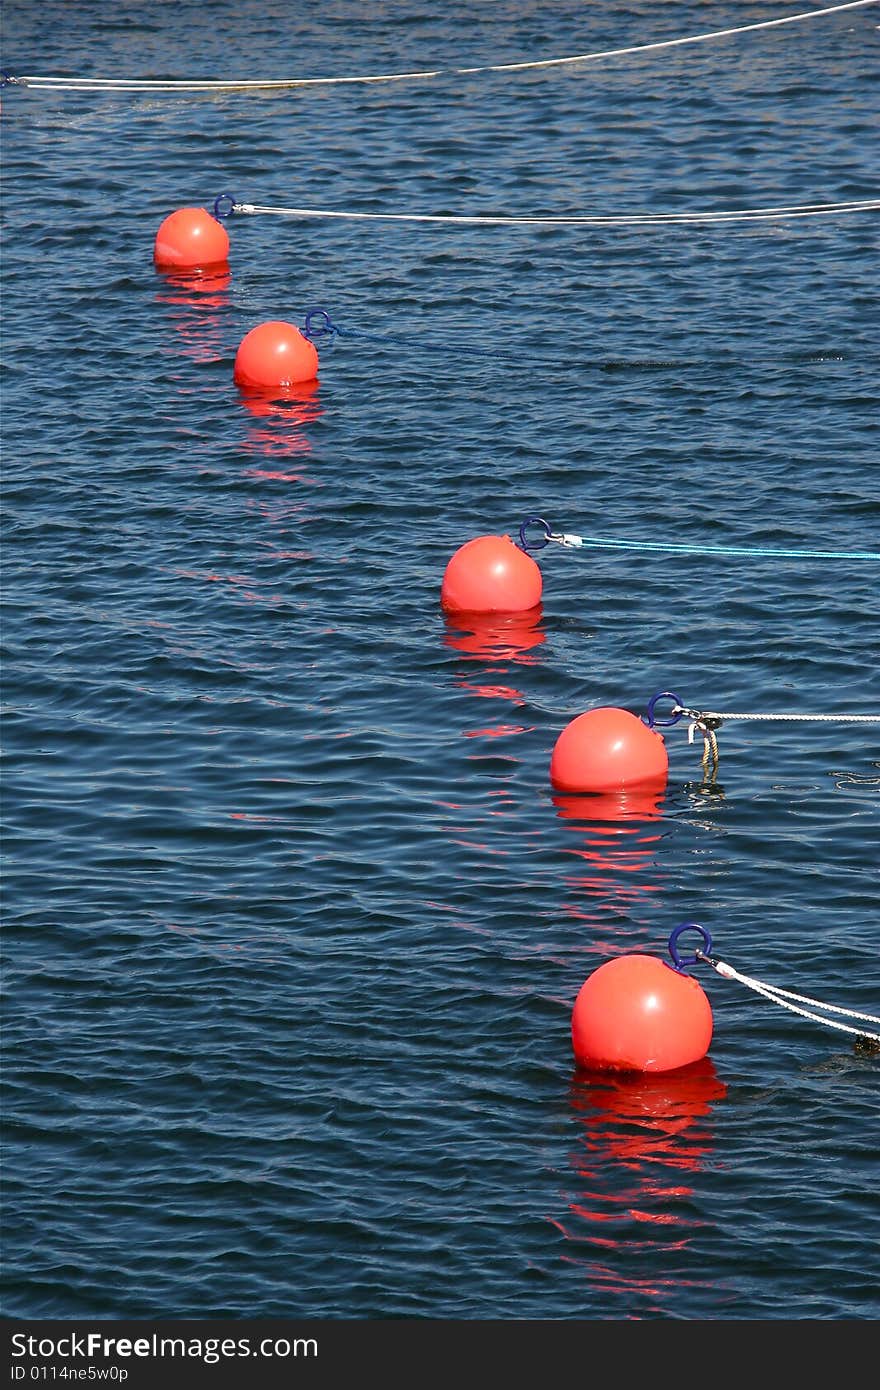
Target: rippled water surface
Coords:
[[294, 922]]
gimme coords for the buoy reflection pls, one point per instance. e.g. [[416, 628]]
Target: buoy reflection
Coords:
[[615, 835], [640, 1139], [496, 636], [627, 804], [498, 640], [198, 299], [279, 416]]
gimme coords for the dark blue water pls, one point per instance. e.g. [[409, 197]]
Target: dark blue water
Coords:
[[293, 921]]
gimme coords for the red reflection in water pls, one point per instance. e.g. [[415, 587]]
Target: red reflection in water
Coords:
[[638, 1117], [617, 834], [197, 299], [498, 730], [280, 415], [240, 584], [628, 804], [641, 1138], [495, 638]]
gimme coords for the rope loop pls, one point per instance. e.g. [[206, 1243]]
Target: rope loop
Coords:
[[702, 720], [698, 955], [535, 544], [678, 710], [318, 324], [224, 206]]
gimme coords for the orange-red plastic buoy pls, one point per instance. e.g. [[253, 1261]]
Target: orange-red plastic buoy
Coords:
[[605, 749], [636, 1013], [275, 354], [190, 239], [491, 574]]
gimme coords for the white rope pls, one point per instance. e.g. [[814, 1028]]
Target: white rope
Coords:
[[629, 220], [781, 996], [841, 718], [101, 84]]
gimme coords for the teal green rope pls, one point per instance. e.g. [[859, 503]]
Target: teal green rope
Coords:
[[719, 549]]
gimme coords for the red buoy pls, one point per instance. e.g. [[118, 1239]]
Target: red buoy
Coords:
[[275, 354], [607, 748], [491, 575], [190, 239], [636, 1013]]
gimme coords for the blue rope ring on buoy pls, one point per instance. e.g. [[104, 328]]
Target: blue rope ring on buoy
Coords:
[[221, 213], [324, 328], [695, 959], [535, 545], [652, 721]]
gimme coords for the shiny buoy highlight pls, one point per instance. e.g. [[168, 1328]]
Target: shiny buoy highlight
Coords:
[[491, 574]]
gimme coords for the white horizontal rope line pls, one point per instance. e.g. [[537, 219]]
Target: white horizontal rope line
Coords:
[[831, 718], [147, 84], [624, 220], [781, 996]]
